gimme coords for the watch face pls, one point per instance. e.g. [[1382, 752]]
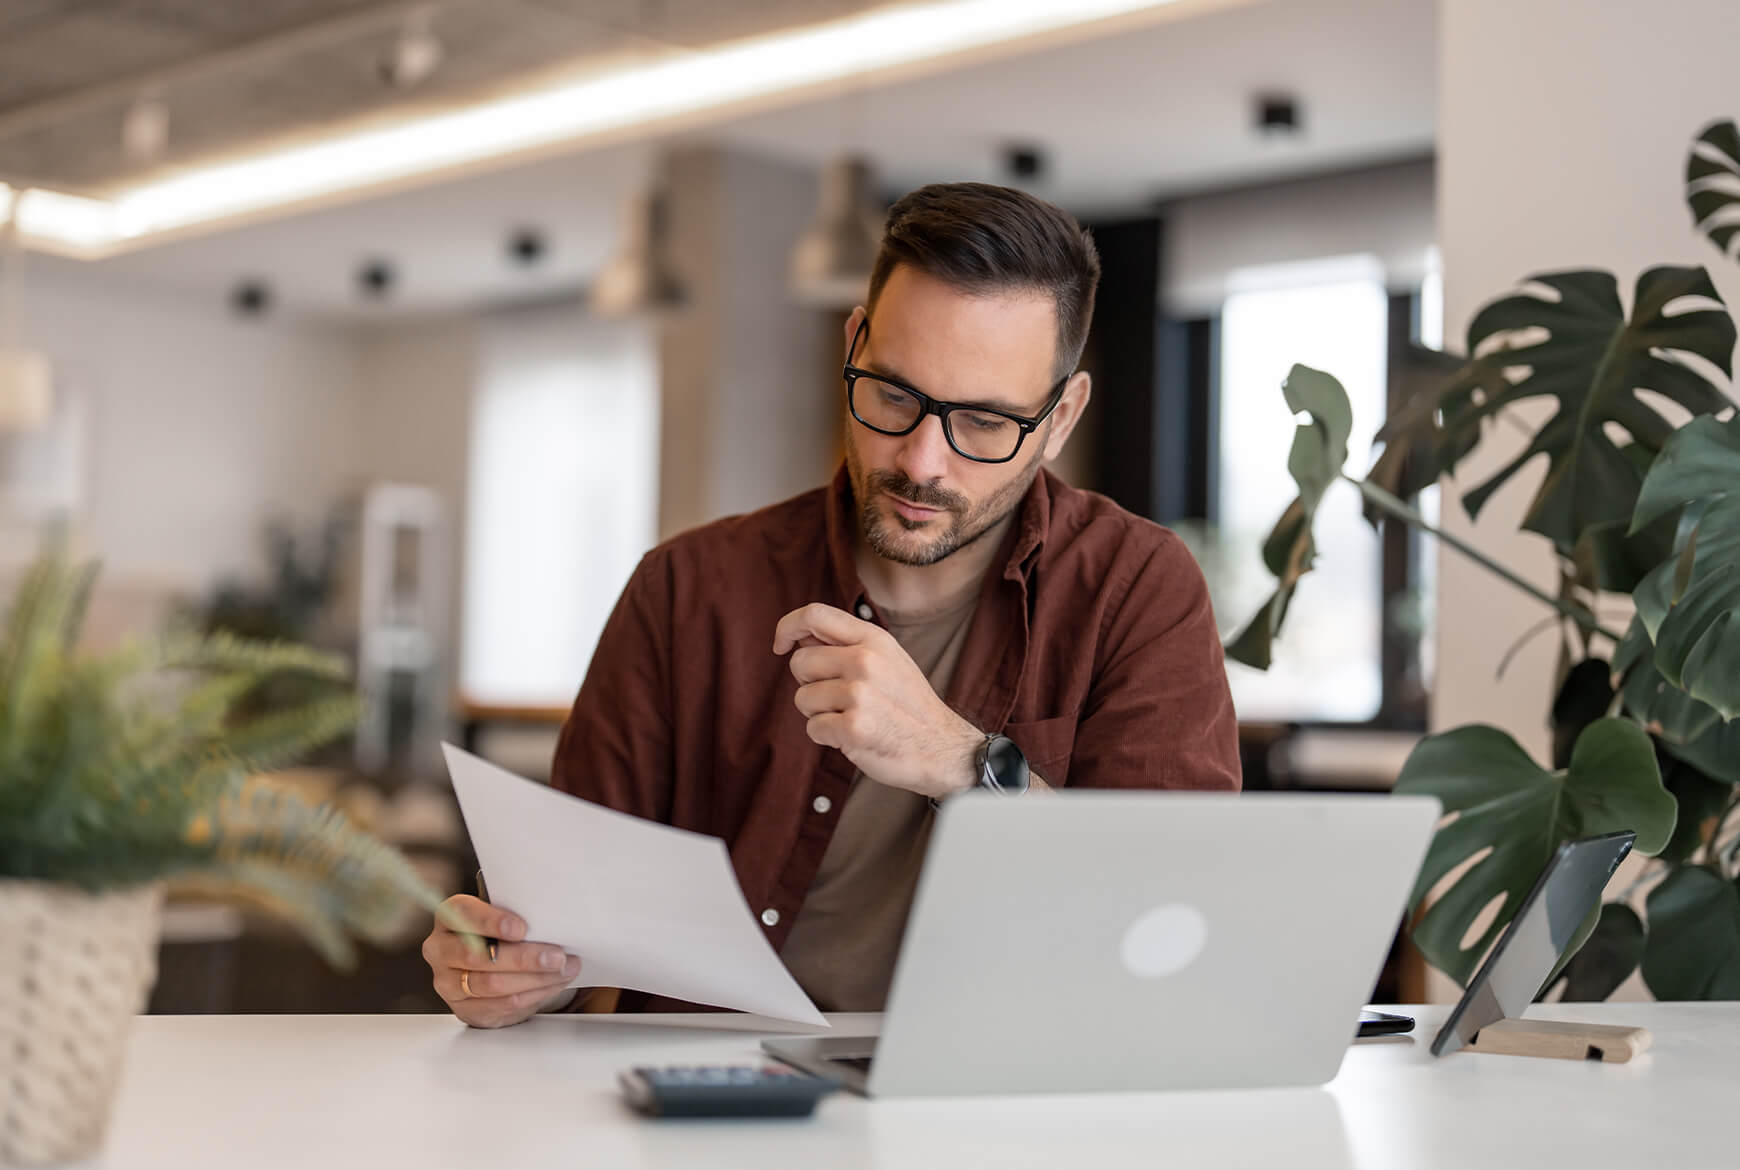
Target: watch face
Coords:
[[1006, 764]]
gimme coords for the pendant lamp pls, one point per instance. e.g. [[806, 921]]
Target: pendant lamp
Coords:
[[830, 267], [639, 279]]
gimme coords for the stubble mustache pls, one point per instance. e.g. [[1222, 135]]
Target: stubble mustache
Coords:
[[901, 487]]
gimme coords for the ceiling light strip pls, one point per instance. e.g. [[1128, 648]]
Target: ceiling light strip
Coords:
[[564, 113]]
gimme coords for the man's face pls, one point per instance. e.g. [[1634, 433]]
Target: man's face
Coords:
[[918, 499]]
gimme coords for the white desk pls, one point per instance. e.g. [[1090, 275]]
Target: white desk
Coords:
[[259, 1092]]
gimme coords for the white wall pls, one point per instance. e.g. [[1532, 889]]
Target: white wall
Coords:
[[1563, 133], [199, 425]]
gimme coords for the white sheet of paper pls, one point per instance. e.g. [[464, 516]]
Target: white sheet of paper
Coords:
[[645, 906]]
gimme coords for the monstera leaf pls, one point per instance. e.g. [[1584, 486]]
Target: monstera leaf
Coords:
[[1690, 605], [1713, 185], [1715, 753], [1693, 949], [1701, 798], [1660, 706], [1504, 800], [1410, 460], [1585, 696], [1319, 451], [1688, 730], [1608, 957], [1615, 558], [1565, 337]]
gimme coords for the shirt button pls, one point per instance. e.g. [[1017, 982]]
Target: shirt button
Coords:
[[770, 917], [821, 804], [864, 610]]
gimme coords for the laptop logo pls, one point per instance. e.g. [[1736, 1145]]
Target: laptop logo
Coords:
[[1164, 941]]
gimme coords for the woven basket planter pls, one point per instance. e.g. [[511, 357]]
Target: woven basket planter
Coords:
[[75, 969]]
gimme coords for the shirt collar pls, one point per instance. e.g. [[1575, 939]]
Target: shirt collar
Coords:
[[1031, 526]]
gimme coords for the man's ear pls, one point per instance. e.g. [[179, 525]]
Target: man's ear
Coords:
[[852, 323], [1068, 412]]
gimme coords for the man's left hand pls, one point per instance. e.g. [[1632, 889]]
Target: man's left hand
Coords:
[[863, 694]]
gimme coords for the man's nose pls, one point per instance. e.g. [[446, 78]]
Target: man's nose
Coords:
[[925, 453]]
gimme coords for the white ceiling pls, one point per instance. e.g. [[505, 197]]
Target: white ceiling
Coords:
[[1124, 121]]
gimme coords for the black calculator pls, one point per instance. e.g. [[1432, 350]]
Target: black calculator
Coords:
[[723, 1091]]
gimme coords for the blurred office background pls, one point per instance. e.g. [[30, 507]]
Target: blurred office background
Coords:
[[405, 328]]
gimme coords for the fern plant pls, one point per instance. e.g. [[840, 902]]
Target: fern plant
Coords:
[[135, 766]]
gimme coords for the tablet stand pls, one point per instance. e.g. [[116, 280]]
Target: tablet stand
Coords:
[[1612, 1043]]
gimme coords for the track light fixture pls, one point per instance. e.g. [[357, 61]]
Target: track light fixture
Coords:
[[415, 54], [145, 128]]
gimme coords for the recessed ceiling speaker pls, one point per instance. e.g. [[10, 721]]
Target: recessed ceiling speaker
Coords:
[[376, 279], [251, 298], [1277, 115], [527, 246], [1024, 161]]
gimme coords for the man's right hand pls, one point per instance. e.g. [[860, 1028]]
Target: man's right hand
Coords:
[[524, 979]]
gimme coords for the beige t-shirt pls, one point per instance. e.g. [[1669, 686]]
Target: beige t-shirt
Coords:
[[842, 946]]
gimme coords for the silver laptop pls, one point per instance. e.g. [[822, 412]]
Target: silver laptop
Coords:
[[1105, 941]]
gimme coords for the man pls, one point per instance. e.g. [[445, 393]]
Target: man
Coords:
[[808, 680]]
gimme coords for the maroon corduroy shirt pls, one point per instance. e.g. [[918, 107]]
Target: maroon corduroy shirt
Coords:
[[1093, 647]]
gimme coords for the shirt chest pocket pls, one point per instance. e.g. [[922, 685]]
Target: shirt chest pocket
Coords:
[[1047, 744]]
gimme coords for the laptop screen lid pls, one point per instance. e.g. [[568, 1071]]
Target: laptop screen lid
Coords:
[[1108, 941]]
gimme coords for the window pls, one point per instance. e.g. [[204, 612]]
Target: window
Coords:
[[562, 498], [1332, 315]]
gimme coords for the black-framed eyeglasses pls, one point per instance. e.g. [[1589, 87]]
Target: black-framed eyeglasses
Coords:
[[983, 434]]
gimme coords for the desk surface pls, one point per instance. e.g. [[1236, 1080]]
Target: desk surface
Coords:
[[422, 1091]]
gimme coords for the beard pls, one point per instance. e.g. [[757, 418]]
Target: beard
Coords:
[[959, 523]]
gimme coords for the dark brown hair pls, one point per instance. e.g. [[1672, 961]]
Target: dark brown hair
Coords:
[[981, 238]]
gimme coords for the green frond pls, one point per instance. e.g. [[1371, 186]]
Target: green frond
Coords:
[[201, 711], [32, 645], [224, 651], [80, 582], [343, 880], [291, 897], [142, 764], [274, 740]]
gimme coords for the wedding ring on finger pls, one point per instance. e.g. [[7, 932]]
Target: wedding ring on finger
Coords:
[[465, 984]]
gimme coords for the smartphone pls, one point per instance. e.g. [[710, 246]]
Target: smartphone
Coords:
[[1383, 1023]]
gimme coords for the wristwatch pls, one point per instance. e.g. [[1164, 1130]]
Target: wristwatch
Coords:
[[1002, 766]]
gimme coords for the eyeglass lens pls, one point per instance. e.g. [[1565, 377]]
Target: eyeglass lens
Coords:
[[977, 434]]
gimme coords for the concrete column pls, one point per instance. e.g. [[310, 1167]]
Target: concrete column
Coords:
[[751, 395]]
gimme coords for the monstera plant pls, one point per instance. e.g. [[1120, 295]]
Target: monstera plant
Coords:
[[1646, 719]]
